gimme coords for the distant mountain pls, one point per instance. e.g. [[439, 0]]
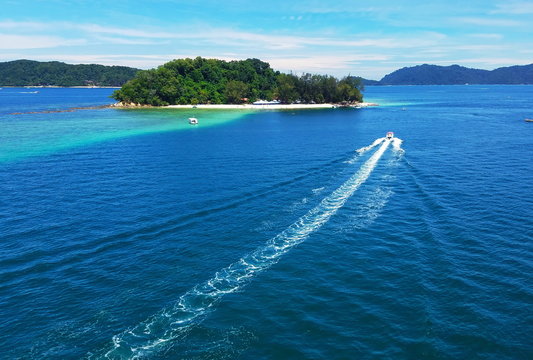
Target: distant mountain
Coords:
[[55, 73], [457, 75], [371, 82]]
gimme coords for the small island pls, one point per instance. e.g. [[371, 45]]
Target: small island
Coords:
[[212, 82]]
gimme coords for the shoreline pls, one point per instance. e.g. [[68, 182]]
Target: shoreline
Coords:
[[204, 107], [268, 107], [248, 106]]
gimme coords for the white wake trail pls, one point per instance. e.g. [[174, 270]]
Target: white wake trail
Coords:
[[364, 149], [397, 145], [191, 308]]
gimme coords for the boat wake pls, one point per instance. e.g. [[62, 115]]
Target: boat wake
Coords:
[[367, 209], [364, 149], [173, 322], [397, 146]]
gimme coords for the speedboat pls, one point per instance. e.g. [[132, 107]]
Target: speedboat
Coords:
[[389, 135], [193, 121]]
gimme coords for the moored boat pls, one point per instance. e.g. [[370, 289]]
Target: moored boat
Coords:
[[193, 121]]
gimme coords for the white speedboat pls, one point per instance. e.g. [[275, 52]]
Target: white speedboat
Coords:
[[389, 135], [193, 121]]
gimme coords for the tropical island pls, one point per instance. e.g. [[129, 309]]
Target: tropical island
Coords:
[[211, 81]]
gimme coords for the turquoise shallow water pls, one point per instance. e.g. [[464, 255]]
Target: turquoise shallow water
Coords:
[[264, 235]]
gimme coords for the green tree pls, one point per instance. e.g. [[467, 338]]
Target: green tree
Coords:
[[286, 89], [235, 91]]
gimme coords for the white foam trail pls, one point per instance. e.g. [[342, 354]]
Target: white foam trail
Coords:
[[297, 205], [397, 145], [169, 323], [370, 209], [318, 190], [364, 149]]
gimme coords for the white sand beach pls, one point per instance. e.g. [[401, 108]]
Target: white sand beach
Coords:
[[264, 107]]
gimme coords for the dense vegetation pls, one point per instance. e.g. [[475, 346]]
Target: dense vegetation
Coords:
[[54, 73], [212, 81], [458, 75]]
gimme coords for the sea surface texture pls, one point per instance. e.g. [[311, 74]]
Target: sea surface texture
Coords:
[[130, 234]]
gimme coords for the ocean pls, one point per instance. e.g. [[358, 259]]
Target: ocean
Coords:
[[130, 234]]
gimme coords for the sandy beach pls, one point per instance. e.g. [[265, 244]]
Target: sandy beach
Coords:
[[264, 107]]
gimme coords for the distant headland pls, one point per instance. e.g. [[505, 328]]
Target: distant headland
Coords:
[[457, 75], [58, 74]]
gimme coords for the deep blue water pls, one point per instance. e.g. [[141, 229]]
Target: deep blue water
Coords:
[[264, 235]]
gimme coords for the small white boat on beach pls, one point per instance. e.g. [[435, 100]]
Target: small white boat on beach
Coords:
[[389, 135], [193, 121]]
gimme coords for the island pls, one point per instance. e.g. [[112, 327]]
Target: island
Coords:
[[58, 74], [213, 82]]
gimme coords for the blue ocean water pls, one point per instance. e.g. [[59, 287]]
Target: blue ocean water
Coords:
[[266, 235]]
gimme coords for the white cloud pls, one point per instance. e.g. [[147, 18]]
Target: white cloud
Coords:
[[514, 7], [343, 7], [23, 25], [331, 64], [126, 41], [499, 22], [487, 36], [495, 61], [35, 42], [98, 29], [287, 42], [224, 36], [474, 62], [484, 48]]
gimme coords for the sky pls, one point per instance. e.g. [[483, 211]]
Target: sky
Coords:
[[341, 37]]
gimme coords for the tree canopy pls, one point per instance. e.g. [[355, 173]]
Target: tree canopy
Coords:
[[55, 73], [212, 81]]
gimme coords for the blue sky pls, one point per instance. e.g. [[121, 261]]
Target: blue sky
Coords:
[[365, 38]]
